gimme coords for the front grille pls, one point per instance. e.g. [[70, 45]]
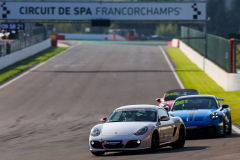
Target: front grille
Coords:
[[202, 131], [96, 144], [113, 146], [132, 144]]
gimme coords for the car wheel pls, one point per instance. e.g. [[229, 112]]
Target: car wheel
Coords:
[[97, 153], [224, 128], [230, 126], [155, 141], [181, 140]]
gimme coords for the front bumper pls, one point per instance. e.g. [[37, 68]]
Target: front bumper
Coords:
[[209, 128], [129, 142]]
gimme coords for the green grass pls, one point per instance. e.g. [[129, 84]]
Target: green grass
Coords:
[[20, 66], [194, 78]]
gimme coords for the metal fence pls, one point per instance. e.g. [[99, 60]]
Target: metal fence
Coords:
[[3, 48], [217, 48], [25, 42], [237, 55], [25, 39]]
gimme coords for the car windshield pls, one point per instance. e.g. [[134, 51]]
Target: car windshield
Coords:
[[174, 95], [127, 115], [194, 103]]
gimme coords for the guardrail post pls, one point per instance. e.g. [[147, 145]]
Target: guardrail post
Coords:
[[231, 56], [205, 43], [8, 48], [235, 57]]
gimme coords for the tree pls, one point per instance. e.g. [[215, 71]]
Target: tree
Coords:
[[217, 12], [233, 16], [168, 30]]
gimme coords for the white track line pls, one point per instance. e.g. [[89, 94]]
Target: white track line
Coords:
[[180, 83], [170, 65], [20, 76], [236, 129]]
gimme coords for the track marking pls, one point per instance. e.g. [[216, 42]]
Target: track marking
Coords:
[[236, 129], [170, 65], [228, 156], [26, 72], [180, 83]]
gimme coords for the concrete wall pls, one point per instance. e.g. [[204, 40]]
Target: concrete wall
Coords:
[[228, 81], [73, 36], [23, 53], [175, 42]]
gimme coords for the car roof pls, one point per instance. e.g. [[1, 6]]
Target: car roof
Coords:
[[177, 90], [139, 106], [197, 96]]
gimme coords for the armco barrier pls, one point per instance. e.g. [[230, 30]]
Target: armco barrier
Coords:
[[14, 57], [228, 81], [73, 36]]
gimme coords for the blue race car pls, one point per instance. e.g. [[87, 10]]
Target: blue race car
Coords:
[[203, 115]]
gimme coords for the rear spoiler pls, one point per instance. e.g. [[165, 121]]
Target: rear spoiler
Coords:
[[220, 99]]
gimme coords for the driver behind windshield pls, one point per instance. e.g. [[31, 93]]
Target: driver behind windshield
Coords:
[[130, 116], [194, 103], [133, 115]]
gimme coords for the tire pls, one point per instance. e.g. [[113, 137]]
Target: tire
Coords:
[[181, 140], [97, 153], [230, 125], [155, 141], [224, 128]]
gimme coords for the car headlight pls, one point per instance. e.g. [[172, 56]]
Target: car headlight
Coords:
[[214, 115], [95, 132], [141, 131]]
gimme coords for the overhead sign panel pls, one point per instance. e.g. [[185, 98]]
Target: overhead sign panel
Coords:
[[113, 11]]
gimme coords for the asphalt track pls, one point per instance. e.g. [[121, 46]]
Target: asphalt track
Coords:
[[47, 113]]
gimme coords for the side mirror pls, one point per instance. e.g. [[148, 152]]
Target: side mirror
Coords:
[[104, 119], [158, 99], [225, 106], [164, 118], [166, 108]]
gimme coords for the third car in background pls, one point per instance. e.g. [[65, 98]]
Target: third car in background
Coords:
[[170, 96]]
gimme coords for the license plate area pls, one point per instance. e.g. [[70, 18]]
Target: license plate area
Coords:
[[112, 143], [192, 126]]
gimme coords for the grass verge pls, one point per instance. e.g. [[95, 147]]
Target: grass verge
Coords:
[[194, 78], [22, 65]]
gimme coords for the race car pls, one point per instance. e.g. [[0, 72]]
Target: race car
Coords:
[[203, 115], [137, 127], [170, 96]]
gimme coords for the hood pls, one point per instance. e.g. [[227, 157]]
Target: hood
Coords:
[[122, 128], [193, 115]]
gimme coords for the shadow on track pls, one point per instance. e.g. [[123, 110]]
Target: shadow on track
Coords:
[[161, 150], [212, 137], [113, 71]]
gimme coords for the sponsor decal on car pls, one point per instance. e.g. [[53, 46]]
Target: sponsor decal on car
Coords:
[[192, 127], [181, 102], [171, 94]]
